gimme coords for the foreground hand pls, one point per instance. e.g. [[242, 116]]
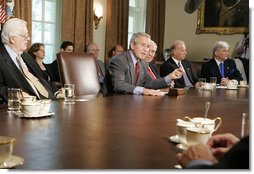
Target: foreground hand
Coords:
[[221, 143], [176, 74], [153, 92], [195, 152], [224, 81]]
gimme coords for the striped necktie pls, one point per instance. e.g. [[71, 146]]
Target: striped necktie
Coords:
[[137, 71], [33, 81], [185, 77], [151, 72]]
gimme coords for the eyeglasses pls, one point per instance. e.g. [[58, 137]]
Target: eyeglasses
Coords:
[[26, 36]]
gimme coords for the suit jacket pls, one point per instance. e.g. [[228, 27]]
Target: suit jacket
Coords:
[[53, 71], [170, 65], [211, 69], [154, 69], [11, 76], [101, 66], [236, 158], [122, 75]]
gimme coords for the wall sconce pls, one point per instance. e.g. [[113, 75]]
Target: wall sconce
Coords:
[[97, 16]]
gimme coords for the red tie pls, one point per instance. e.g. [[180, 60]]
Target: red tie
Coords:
[[151, 72], [136, 71]]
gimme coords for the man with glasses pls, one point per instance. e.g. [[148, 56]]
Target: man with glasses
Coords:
[[18, 69]]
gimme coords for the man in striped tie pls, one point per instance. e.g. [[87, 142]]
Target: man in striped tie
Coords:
[[18, 69], [151, 67]]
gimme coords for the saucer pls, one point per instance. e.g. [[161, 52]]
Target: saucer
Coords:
[[37, 116], [182, 146], [12, 162], [243, 86], [174, 139], [231, 88]]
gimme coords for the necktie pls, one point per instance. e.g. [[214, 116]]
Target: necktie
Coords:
[[100, 75], [137, 71], [33, 81], [221, 66], [185, 77], [151, 72]]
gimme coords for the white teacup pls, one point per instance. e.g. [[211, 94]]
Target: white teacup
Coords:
[[232, 84], [44, 106], [29, 99], [181, 126], [208, 86], [207, 123], [197, 135], [6, 148], [32, 108], [243, 83]]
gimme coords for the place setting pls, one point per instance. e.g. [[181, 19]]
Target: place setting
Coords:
[[243, 84], [194, 130], [68, 94], [27, 106], [7, 159]]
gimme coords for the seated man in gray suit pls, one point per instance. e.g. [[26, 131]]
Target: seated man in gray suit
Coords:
[[94, 49], [128, 71]]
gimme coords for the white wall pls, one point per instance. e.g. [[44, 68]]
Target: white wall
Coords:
[[180, 25], [99, 34]]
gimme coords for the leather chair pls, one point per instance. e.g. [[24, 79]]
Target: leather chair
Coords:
[[81, 70], [196, 68]]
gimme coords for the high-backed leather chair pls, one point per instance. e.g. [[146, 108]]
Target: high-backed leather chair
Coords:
[[81, 70]]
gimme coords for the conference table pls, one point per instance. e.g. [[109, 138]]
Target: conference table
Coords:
[[119, 131]]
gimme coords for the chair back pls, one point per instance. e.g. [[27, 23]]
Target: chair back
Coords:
[[81, 70]]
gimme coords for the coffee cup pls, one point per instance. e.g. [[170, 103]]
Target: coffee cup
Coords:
[[208, 86], [243, 83], [232, 84], [197, 135], [32, 108], [181, 127], [201, 122], [29, 99], [6, 148], [44, 106]]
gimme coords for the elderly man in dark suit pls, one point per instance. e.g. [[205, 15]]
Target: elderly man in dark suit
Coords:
[[14, 64], [220, 65], [128, 71], [176, 60]]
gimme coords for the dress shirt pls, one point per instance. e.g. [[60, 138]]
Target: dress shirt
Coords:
[[139, 90]]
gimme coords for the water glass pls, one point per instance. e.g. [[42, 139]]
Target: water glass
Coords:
[[202, 82], [14, 99], [213, 82], [69, 93]]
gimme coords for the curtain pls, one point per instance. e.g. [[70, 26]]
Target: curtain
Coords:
[[116, 25], [23, 10], [77, 22], [155, 24]]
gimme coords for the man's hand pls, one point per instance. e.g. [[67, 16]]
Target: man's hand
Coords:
[[196, 152], [176, 74], [153, 92]]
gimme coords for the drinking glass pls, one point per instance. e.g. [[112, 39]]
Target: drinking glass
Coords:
[[202, 82], [245, 125], [69, 93], [14, 99], [213, 82]]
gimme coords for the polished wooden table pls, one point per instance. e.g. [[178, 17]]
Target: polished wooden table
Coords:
[[117, 132]]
